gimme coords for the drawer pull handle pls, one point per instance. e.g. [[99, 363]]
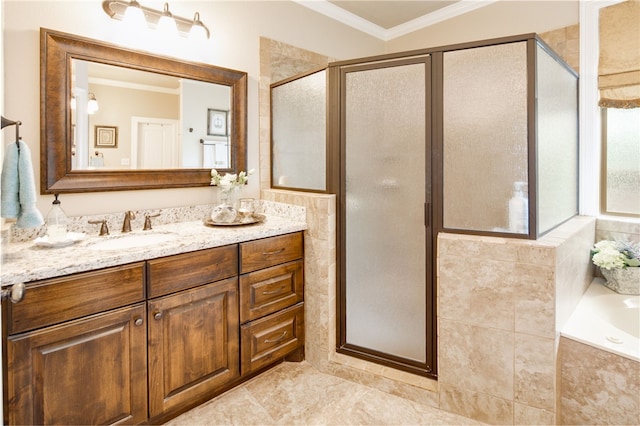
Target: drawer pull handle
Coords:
[[157, 315], [138, 322], [279, 339], [271, 253], [276, 291]]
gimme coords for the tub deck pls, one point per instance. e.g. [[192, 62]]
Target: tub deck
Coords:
[[606, 320]]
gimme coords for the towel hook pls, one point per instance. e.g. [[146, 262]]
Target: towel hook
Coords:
[[6, 122]]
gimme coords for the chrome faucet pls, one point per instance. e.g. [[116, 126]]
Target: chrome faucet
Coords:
[[126, 225]]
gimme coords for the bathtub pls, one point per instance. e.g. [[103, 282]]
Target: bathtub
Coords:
[[606, 320]]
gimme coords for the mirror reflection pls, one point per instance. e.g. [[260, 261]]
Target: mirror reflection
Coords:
[[126, 119], [207, 122]]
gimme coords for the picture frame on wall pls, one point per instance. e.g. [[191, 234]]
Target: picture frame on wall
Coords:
[[217, 122], [106, 137]]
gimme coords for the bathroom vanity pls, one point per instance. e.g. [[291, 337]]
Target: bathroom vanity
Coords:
[[155, 331]]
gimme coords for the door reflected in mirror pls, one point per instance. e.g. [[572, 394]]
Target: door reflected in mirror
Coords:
[[162, 121]]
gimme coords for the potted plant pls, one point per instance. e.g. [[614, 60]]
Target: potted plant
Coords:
[[619, 262]]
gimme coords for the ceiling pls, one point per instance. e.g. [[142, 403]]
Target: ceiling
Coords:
[[388, 19]]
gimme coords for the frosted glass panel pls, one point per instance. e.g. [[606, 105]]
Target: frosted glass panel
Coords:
[[485, 135], [385, 195], [623, 161], [299, 133], [557, 145]]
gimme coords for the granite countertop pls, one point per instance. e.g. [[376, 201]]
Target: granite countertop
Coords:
[[25, 261]]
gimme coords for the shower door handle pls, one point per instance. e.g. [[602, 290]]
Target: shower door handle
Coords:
[[427, 214]]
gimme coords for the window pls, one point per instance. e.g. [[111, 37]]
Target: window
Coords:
[[620, 193]]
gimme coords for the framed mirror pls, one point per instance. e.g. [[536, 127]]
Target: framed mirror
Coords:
[[117, 119]]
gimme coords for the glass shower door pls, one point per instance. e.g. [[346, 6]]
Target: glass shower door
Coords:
[[385, 189]]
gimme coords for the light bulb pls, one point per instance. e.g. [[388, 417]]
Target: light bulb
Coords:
[[92, 105], [134, 15], [167, 26], [198, 30]]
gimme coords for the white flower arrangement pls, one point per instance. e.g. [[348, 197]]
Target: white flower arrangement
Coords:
[[230, 180], [615, 255]]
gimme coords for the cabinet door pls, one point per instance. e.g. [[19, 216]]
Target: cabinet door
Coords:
[[87, 371], [193, 344]]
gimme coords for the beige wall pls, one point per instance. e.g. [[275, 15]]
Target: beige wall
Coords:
[[236, 27], [142, 103]]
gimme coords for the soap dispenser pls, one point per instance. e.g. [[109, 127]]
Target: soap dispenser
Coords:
[[519, 210], [56, 223]]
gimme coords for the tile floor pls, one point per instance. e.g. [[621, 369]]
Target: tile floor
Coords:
[[298, 394]]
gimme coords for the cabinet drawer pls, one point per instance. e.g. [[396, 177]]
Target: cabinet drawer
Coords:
[[57, 300], [182, 271], [269, 290], [272, 251], [268, 339]]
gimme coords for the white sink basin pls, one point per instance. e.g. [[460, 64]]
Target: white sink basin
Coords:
[[132, 241]]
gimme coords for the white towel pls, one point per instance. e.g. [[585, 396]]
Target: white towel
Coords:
[[18, 187], [96, 161]]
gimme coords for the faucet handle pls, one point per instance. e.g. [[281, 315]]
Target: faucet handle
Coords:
[[104, 230], [147, 221]]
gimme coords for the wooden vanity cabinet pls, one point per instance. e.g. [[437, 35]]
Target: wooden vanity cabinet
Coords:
[[143, 342], [77, 350]]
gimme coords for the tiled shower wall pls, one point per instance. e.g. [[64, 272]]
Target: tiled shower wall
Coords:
[[501, 305]]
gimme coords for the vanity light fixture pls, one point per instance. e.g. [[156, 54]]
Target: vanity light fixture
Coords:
[[120, 10], [92, 105]]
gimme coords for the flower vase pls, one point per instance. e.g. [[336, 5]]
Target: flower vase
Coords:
[[228, 195], [226, 211], [623, 280]]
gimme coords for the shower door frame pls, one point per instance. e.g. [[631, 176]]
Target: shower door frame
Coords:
[[337, 137]]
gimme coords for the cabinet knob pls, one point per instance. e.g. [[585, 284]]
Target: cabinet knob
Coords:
[[157, 315], [138, 322], [15, 293]]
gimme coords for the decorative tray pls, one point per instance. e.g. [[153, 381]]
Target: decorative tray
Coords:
[[72, 238], [256, 218]]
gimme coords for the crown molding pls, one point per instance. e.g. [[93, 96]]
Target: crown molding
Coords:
[[343, 16]]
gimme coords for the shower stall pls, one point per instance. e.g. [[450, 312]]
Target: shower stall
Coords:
[[477, 138]]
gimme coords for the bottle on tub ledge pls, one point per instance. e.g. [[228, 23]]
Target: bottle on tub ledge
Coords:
[[56, 223], [519, 209]]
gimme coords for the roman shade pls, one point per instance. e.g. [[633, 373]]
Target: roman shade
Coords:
[[619, 65]]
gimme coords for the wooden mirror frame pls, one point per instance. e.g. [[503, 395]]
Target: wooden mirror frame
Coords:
[[56, 176]]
